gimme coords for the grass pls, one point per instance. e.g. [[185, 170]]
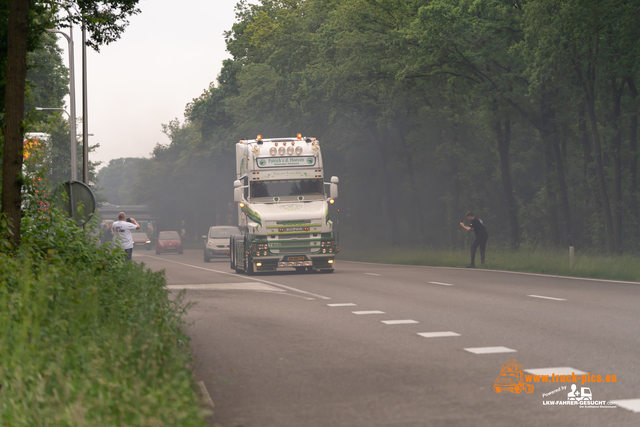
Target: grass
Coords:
[[530, 260], [87, 339]]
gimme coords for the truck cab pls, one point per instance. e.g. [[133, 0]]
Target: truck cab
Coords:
[[283, 207]]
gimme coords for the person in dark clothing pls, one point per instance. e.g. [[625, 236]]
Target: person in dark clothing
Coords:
[[481, 237]]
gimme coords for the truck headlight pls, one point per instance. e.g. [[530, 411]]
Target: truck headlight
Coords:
[[290, 150], [281, 151], [273, 151], [298, 150]]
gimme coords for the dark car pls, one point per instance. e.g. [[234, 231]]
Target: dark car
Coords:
[[169, 241], [216, 243], [141, 240]]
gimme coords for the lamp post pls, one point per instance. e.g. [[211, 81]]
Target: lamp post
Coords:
[[72, 103], [85, 113]]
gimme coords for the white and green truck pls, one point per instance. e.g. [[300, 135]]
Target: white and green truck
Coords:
[[283, 208]]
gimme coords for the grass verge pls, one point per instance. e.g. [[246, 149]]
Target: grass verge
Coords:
[[87, 339], [530, 260]]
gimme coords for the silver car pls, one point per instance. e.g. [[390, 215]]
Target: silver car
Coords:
[[216, 242]]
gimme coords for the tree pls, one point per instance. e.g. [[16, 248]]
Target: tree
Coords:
[[105, 21]]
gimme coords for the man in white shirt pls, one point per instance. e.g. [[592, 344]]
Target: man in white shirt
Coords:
[[122, 233]]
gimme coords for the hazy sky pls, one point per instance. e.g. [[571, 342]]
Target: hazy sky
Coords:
[[167, 56]]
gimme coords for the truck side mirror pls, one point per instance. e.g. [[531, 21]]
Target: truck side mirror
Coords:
[[237, 191], [333, 187], [334, 180]]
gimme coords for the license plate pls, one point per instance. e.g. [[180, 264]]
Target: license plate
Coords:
[[295, 258]]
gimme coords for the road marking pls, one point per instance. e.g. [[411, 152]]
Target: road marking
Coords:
[[438, 334], [236, 275], [632, 405], [346, 304], [439, 283], [368, 312], [246, 286], [551, 298], [494, 271], [399, 322], [490, 350], [562, 370], [373, 274]]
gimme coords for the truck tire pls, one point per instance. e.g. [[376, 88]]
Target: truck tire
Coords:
[[300, 269]]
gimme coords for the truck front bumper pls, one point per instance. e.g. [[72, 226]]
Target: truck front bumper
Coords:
[[281, 263]]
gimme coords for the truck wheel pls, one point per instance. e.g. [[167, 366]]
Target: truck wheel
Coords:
[[300, 269], [327, 270]]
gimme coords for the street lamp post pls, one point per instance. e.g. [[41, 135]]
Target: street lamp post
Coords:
[[72, 102], [85, 114]]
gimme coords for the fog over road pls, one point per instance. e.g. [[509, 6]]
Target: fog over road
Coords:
[[386, 345]]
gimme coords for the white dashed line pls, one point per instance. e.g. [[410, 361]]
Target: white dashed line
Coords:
[[562, 370], [551, 298], [399, 322], [440, 283], [632, 405], [438, 334], [346, 304], [490, 350], [373, 274], [368, 312]]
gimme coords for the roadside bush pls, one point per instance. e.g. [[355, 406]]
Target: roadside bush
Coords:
[[87, 339]]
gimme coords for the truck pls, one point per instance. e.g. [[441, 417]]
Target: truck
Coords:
[[283, 207]]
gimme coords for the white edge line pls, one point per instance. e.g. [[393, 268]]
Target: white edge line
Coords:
[[440, 283], [343, 304], [551, 298], [368, 312], [247, 277], [498, 271], [373, 274]]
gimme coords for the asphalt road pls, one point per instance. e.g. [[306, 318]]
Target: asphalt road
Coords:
[[284, 349]]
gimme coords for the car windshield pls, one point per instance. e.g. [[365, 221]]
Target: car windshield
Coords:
[[287, 187], [169, 235], [222, 232], [139, 235]]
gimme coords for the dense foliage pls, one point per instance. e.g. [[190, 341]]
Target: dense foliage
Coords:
[[85, 337], [524, 112]]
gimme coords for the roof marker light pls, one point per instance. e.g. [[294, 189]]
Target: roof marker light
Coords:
[[259, 136], [299, 136]]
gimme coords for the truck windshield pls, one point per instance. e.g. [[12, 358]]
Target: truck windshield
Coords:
[[287, 187]]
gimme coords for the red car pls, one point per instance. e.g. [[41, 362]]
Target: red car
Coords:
[[169, 241]]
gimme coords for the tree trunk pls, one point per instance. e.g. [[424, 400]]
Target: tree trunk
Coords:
[[617, 163], [12, 178], [633, 163], [416, 197], [562, 185], [387, 193], [588, 88], [551, 194], [504, 141]]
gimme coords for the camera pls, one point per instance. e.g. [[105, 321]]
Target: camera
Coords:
[[128, 219]]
